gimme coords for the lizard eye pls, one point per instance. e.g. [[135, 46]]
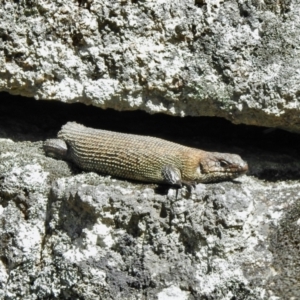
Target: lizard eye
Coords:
[[223, 163]]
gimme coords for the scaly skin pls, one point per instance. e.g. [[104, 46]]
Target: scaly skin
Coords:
[[142, 158]]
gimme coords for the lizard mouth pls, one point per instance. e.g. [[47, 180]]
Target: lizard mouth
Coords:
[[234, 171], [239, 170], [222, 169]]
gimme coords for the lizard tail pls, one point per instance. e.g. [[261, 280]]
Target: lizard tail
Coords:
[[68, 129]]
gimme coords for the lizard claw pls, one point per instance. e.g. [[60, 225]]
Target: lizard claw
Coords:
[[189, 184]]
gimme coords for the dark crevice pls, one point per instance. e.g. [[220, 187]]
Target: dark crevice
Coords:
[[200, 3], [272, 154]]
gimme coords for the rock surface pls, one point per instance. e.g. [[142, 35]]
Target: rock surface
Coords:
[[71, 235], [234, 59]]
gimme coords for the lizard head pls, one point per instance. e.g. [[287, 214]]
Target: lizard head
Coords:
[[221, 166]]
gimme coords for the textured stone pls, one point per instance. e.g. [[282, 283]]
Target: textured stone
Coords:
[[65, 234], [92, 237], [234, 59]]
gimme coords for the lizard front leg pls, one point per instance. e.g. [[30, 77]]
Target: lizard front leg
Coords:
[[172, 176]]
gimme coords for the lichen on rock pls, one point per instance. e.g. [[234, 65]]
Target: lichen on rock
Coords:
[[234, 59]]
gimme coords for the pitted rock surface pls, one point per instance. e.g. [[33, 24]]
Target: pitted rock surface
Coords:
[[66, 234], [234, 59]]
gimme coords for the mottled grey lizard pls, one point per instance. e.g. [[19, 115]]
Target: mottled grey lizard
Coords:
[[142, 158]]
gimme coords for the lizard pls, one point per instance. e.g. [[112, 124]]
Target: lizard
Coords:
[[141, 158]]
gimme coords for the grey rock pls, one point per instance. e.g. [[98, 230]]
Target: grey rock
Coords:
[[234, 59], [85, 236]]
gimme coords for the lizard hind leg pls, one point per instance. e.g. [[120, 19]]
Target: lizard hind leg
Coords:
[[56, 148]]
